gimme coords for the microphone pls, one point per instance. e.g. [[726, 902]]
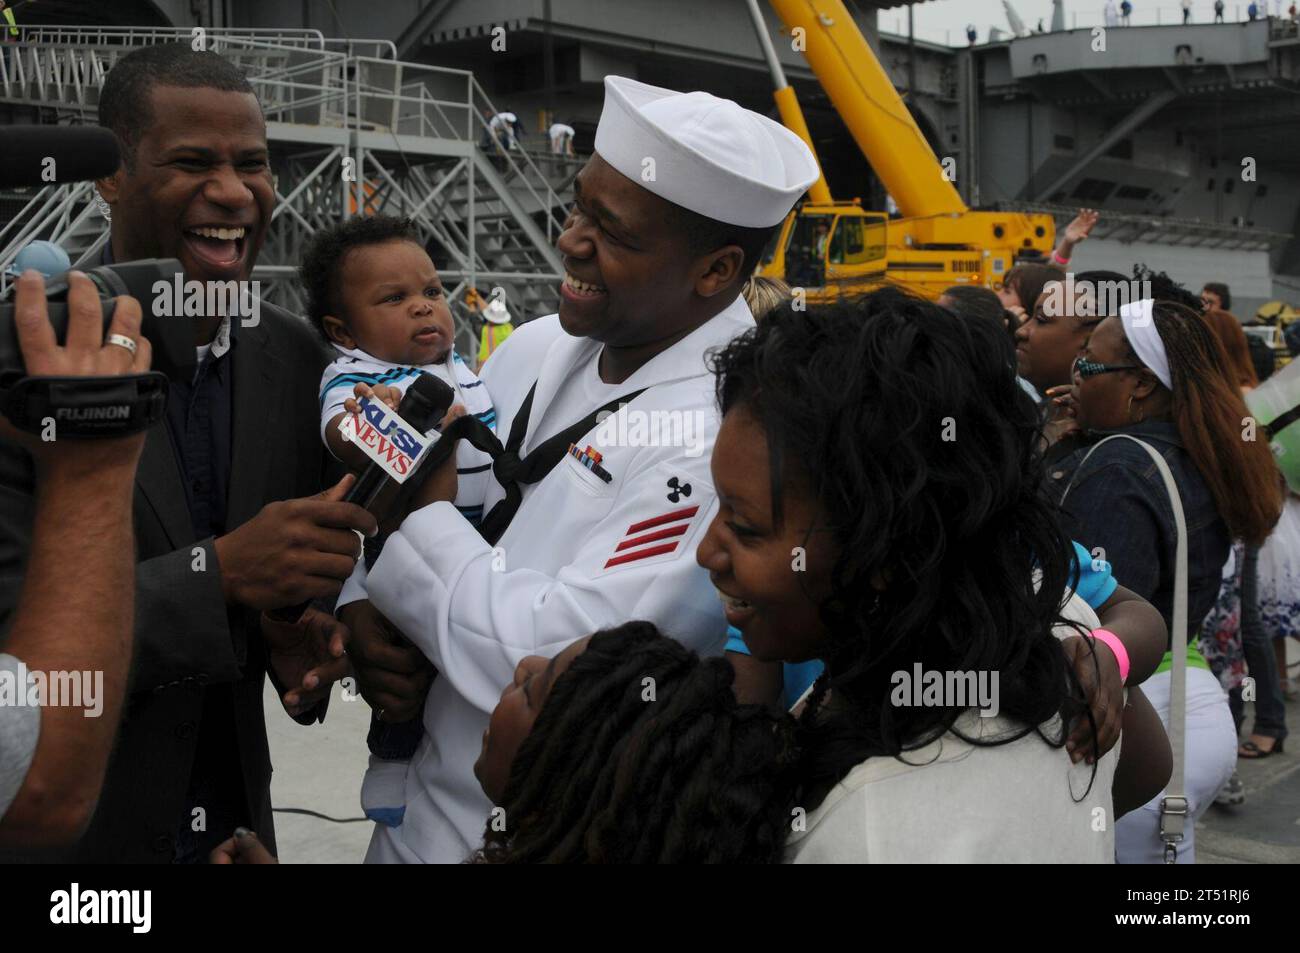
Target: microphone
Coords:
[[45, 155], [423, 405]]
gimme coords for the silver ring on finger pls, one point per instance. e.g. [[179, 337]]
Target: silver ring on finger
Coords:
[[121, 340]]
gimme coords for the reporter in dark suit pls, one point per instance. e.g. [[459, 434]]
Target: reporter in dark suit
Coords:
[[223, 523]]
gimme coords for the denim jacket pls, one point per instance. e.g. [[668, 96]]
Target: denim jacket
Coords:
[[1118, 502]]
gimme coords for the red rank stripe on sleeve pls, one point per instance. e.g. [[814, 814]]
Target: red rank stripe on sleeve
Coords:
[[652, 537]]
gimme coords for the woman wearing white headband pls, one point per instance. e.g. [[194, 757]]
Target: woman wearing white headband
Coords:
[[1157, 372]]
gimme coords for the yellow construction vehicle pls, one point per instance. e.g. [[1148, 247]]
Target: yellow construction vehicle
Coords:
[[836, 247]]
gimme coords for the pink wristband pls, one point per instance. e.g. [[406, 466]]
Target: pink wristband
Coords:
[[1059, 260], [1111, 641]]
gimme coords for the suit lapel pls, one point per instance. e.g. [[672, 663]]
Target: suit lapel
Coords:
[[253, 422], [159, 480]]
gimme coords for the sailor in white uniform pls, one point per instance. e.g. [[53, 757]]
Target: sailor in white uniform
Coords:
[[562, 134], [669, 219]]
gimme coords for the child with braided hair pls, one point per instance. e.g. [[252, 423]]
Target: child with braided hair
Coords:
[[628, 747]]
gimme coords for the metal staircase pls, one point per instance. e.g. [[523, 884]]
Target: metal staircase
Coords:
[[352, 130]]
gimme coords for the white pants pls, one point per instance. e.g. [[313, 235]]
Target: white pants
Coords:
[[1210, 755]]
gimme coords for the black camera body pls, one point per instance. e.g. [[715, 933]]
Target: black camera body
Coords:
[[89, 406]]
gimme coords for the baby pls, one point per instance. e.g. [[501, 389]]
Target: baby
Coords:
[[374, 294]]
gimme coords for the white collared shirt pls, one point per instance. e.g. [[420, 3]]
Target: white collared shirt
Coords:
[[218, 346]]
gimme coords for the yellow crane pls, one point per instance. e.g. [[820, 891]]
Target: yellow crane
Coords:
[[835, 247]]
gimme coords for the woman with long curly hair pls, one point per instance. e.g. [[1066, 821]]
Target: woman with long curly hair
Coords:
[[878, 474]]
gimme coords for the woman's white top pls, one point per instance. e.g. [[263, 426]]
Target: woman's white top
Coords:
[[954, 802]]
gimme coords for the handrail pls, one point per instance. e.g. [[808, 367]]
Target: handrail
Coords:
[[60, 200], [147, 35], [554, 224], [350, 45], [44, 194], [1188, 226], [408, 89]]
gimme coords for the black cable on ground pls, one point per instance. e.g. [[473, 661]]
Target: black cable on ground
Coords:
[[323, 817]]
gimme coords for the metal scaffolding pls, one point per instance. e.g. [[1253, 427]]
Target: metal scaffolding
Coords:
[[352, 130]]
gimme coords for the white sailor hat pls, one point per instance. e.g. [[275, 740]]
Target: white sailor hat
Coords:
[[709, 155]]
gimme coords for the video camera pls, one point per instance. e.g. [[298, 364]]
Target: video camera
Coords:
[[87, 406], [98, 406]]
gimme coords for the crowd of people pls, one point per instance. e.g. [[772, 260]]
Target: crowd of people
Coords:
[[882, 593], [1242, 612]]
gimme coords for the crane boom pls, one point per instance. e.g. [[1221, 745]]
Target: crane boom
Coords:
[[834, 248], [866, 100], [787, 103]]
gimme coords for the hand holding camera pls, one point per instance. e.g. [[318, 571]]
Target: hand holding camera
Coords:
[[88, 351]]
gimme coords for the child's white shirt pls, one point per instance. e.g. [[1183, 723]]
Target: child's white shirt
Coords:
[[354, 366]]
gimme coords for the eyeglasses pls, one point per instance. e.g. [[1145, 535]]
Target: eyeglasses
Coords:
[[1086, 368]]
